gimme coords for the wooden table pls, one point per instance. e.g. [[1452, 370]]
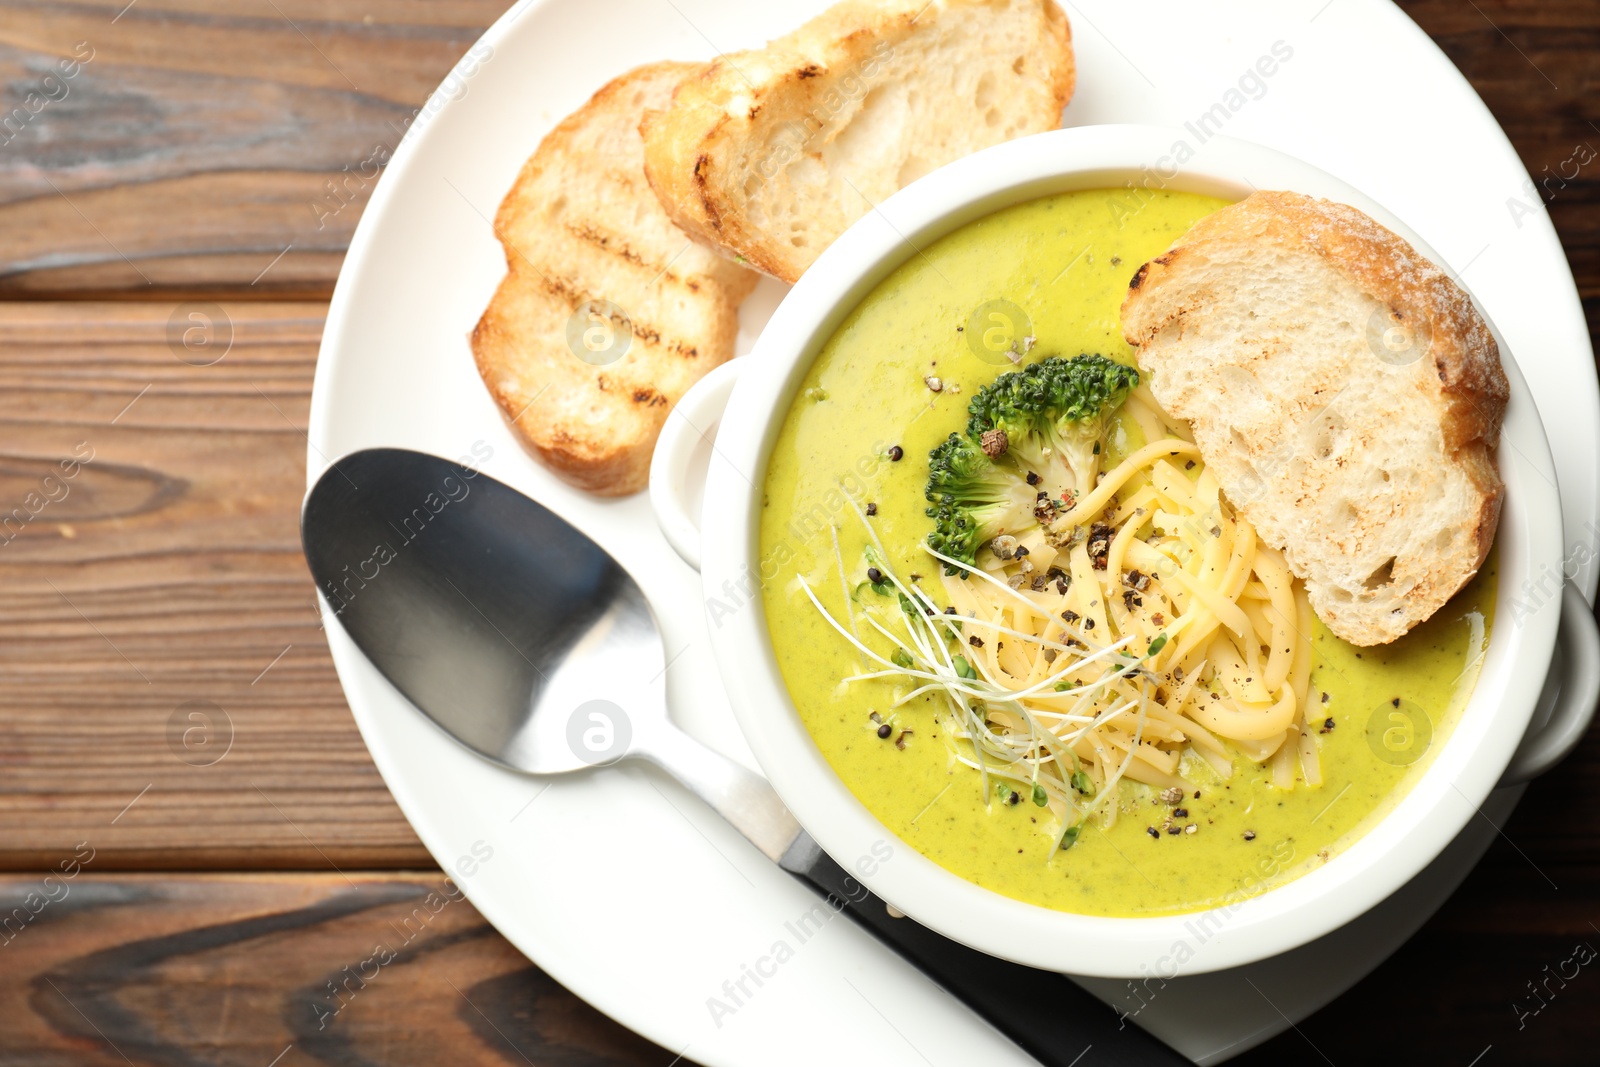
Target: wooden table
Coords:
[[174, 745]]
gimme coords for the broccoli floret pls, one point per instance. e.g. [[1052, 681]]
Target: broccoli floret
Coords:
[[1054, 414], [974, 499]]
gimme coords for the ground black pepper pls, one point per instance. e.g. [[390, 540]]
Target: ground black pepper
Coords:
[[1099, 544]]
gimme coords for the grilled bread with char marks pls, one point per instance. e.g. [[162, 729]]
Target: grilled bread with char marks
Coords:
[[608, 313]]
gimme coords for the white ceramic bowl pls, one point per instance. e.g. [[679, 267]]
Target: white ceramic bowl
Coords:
[[1469, 764]]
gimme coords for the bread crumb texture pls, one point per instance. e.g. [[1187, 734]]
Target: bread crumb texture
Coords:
[[608, 313]]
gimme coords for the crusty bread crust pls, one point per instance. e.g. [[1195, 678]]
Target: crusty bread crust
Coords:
[[1286, 300], [769, 155], [589, 250]]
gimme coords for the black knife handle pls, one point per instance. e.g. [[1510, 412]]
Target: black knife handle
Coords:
[[1052, 1018]]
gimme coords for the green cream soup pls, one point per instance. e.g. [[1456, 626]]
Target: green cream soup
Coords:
[[1055, 269]]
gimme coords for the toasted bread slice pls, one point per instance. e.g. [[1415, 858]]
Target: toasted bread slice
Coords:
[[771, 154], [1347, 394], [608, 313]]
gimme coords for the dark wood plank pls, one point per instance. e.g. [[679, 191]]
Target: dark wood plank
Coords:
[[390, 969], [195, 141], [164, 579], [191, 970]]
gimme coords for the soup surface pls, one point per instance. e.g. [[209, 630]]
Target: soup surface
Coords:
[[1054, 270]]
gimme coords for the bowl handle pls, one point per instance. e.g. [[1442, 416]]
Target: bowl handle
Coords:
[[1566, 706], [678, 468]]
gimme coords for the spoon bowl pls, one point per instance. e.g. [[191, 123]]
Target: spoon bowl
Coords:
[[427, 563]]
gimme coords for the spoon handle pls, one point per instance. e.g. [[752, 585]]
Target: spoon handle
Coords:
[[1047, 1014], [744, 799]]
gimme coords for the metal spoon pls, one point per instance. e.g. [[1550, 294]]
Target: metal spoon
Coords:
[[526, 642]]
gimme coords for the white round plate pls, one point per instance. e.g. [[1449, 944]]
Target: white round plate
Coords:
[[618, 883]]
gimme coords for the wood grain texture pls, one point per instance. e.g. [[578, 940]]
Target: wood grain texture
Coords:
[[196, 141], [194, 971], [149, 596], [185, 970]]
